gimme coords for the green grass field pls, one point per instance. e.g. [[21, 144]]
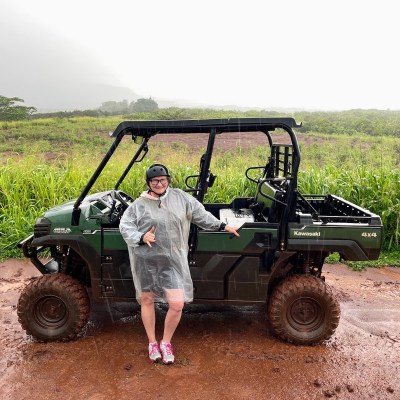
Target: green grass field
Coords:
[[44, 162]]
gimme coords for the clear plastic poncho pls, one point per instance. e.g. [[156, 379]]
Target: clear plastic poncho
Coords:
[[163, 267]]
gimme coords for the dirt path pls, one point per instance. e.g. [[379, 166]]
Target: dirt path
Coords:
[[222, 353]]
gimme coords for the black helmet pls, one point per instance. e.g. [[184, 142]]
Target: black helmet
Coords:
[[156, 170]]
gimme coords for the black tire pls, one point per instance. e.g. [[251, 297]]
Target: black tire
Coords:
[[53, 307], [303, 310]]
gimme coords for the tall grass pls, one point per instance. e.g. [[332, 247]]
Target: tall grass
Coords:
[[47, 162], [376, 190]]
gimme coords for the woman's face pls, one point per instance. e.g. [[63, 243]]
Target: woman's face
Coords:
[[159, 184]]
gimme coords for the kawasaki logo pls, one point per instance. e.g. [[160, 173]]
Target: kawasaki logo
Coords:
[[62, 230], [302, 233]]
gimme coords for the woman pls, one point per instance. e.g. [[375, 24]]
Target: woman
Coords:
[[156, 229]]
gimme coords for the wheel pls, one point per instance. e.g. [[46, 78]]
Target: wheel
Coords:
[[303, 310], [53, 307]]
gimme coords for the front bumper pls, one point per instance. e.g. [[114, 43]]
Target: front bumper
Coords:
[[32, 253]]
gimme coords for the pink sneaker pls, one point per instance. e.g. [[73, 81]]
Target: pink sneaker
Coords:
[[154, 352], [167, 353]]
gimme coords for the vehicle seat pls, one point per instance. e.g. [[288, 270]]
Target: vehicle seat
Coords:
[[236, 217], [271, 210]]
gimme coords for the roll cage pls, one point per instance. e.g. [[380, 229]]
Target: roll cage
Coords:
[[283, 164]]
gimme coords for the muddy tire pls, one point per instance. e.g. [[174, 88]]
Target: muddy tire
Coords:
[[303, 310], [53, 307]]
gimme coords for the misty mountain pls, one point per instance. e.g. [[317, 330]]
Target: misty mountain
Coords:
[[75, 96], [51, 73]]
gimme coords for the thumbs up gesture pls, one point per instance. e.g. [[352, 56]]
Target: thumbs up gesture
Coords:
[[150, 237]]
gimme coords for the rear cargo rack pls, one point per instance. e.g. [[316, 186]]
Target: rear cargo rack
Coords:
[[331, 208]]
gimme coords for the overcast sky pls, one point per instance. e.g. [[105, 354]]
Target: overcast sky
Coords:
[[308, 54]]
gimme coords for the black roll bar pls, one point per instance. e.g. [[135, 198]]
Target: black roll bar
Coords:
[[143, 148], [76, 210], [202, 186]]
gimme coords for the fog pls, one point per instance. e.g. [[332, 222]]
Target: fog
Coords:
[[49, 72], [265, 54]]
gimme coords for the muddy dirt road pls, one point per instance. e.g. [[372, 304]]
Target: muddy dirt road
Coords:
[[222, 353]]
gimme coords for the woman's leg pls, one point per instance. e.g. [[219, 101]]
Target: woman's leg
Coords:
[[175, 298], [148, 315]]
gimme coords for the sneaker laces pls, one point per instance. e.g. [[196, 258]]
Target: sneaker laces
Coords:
[[153, 348], [168, 348]]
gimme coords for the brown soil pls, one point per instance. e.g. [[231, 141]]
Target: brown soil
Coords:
[[226, 142], [222, 352]]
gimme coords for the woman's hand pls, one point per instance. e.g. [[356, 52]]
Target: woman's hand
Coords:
[[231, 229], [150, 237]]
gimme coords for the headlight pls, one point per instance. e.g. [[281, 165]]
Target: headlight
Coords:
[[42, 227]]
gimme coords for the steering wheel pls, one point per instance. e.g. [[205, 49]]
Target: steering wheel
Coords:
[[122, 197]]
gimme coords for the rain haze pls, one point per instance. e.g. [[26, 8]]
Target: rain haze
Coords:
[[289, 54]]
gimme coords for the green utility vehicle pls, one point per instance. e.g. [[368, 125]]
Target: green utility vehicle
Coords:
[[285, 237]]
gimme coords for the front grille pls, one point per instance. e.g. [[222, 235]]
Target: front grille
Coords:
[[42, 227]]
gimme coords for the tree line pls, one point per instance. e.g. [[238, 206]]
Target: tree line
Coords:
[[123, 107], [351, 122], [11, 111]]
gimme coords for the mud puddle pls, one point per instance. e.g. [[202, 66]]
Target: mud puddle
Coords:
[[222, 352]]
